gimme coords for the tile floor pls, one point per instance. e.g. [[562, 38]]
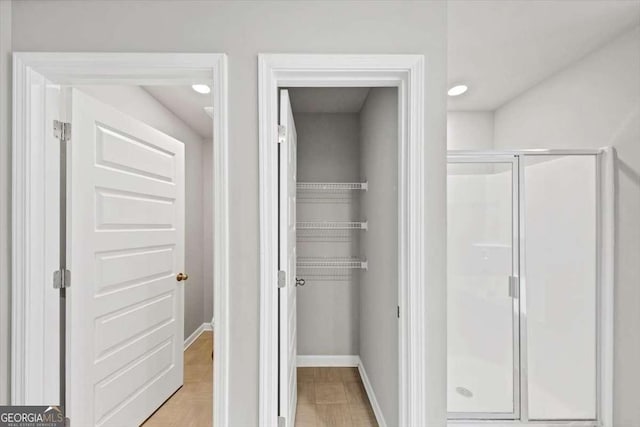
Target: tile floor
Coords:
[[332, 397], [192, 404]]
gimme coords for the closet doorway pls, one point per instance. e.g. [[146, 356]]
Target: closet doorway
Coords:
[[343, 307], [341, 240]]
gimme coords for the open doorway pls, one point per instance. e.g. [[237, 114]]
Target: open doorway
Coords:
[[184, 115], [144, 252], [326, 266], [345, 302], [129, 163]]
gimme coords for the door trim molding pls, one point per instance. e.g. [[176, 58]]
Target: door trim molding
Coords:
[[407, 73], [72, 68]]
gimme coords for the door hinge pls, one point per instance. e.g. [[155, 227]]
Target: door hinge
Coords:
[[514, 287], [61, 130], [282, 279], [61, 279], [282, 134], [398, 312], [282, 422]]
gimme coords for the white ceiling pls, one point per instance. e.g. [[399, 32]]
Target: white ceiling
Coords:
[[501, 48], [187, 104], [498, 48], [327, 99]]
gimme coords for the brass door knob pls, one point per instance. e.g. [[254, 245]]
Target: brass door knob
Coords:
[[182, 276]]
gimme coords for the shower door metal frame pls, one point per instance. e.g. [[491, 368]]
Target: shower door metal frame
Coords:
[[598, 156], [513, 160], [605, 251]]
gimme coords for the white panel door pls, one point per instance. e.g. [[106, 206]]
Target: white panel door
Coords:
[[126, 235], [287, 295]]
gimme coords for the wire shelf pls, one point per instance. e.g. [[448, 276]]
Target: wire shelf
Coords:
[[332, 277], [331, 225], [334, 263], [332, 186]]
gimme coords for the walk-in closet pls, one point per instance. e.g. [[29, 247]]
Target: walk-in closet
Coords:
[[346, 255]]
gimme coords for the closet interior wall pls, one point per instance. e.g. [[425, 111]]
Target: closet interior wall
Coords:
[[379, 283], [328, 305]]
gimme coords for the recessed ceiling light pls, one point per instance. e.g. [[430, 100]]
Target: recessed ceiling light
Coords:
[[201, 88], [457, 90]]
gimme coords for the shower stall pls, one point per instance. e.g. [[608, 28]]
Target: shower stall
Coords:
[[530, 258]]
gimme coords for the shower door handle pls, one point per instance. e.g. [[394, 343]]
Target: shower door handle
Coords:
[[514, 287]]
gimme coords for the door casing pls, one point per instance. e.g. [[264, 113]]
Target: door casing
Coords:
[[422, 370], [29, 337]]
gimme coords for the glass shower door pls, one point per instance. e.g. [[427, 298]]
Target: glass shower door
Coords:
[[560, 204], [482, 302]]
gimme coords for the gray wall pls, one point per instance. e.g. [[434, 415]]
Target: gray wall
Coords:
[[137, 102], [194, 241], [242, 30], [594, 103], [207, 219], [379, 284], [328, 310]]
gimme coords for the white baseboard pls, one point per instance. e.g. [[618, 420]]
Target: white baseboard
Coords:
[[372, 397], [326, 361], [206, 326]]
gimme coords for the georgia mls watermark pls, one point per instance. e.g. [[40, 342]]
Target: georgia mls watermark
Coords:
[[32, 416]]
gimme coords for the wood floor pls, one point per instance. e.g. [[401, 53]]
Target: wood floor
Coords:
[[332, 397], [327, 397], [192, 404]]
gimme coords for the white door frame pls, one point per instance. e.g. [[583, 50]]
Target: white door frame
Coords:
[[407, 73], [28, 348]]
